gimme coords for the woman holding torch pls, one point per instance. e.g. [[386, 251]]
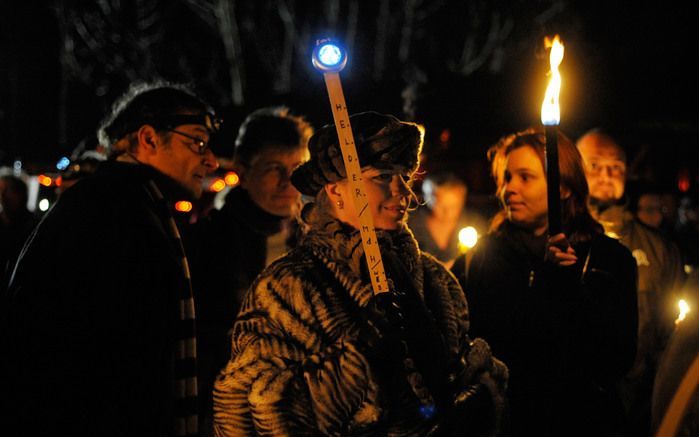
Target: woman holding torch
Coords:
[[315, 352], [559, 310]]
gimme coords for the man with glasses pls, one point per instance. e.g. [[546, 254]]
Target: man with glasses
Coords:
[[660, 270], [254, 227], [99, 323]]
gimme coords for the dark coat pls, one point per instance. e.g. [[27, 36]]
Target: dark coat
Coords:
[[91, 313], [660, 278], [566, 336], [231, 250], [12, 237]]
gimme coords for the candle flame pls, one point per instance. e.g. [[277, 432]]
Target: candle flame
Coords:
[[468, 237], [550, 109], [684, 309]]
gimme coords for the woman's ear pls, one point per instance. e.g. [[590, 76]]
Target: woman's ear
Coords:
[[333, 191]]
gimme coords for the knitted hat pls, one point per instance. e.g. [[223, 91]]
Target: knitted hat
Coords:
[[382, 141]]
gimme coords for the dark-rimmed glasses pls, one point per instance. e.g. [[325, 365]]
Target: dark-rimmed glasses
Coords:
[[201, 145]]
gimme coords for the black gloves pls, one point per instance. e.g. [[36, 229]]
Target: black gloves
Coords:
[[382, 328]]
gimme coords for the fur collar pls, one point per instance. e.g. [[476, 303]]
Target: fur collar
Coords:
[[339, 247]]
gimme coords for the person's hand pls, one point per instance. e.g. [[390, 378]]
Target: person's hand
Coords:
[[381, 326], [560, 252]]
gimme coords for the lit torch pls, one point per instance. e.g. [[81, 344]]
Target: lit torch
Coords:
[[551, 117]]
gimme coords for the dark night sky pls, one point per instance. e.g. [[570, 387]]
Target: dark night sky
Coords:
[[630, 68]]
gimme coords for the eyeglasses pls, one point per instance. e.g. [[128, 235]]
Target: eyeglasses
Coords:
[[615, 168], [201, 145]]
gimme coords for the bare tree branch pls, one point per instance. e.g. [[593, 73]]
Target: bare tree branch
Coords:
[[352, 23], [382, 24], [228, 30], [407, 30]]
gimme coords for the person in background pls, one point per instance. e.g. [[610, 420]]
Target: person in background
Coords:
[[660, 269], [687, 229], [316, 353], [649, 209], [98, 322], [16, 223], [255, 226], [559, 310], [436, 225]]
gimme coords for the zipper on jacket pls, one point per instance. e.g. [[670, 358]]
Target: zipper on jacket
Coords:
[[531, 278]]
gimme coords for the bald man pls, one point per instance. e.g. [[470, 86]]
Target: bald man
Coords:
[[660, 269]]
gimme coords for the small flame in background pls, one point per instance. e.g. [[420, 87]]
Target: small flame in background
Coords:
[[468, 237], [550, 109], [684, 309]]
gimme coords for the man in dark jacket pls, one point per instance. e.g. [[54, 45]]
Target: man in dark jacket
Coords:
[[253, 228], [99, 315], [660, 270]]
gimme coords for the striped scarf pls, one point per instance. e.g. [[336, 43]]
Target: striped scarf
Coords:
[[185, 383]]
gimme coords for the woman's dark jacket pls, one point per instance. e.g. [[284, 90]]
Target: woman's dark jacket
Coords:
[[566, 334]]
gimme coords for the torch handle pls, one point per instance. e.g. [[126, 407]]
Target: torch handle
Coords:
[[553, 181]]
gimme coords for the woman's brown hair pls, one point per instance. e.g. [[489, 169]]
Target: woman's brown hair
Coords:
[[578, 224]]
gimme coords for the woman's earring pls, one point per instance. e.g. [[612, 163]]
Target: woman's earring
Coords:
[[340, 204]]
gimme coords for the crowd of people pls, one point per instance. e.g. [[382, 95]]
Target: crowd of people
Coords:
[[260, 317]]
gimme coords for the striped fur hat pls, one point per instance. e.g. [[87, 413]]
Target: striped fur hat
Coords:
[[382, 141]]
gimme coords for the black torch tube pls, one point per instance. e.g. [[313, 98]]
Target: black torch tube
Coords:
[[553, 180]]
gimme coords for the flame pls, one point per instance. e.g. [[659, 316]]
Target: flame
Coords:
[[684, 309], [550, 109], [468, 237]]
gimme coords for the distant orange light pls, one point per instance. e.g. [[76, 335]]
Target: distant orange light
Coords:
[[217, 185], [683, 181], [232, 178], [445, 136], [59, 181], [183, 206], [45, 180]]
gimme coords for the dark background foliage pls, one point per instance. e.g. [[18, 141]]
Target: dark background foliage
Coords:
[[471, 71]]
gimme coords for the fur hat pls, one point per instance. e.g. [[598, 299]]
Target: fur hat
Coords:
[[381, 140]]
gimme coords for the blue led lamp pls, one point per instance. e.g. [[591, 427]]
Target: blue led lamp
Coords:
[[328, 56]]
